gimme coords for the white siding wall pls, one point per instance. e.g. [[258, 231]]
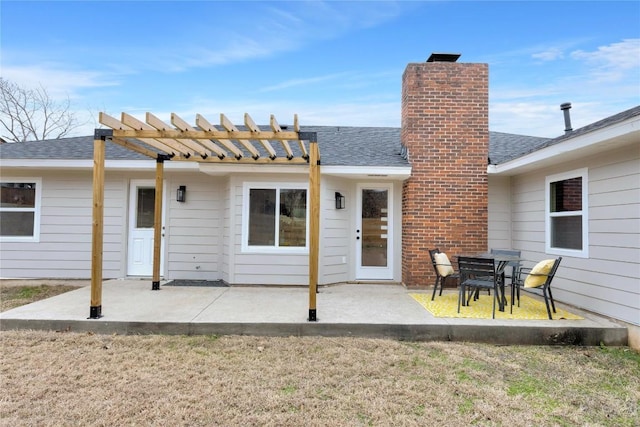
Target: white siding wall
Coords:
[[337, 248], [499, 233], [64, 249], [336, 255], [202, 236], [608, 282], [339, 227], [193, 234], [227, 247], [194, 230]]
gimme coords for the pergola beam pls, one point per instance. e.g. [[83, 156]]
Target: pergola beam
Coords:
[[172, 147], [129, 123], [296, 127], [275, 127], [158, 124], [202, 123], [184, 126], [230, 127], [134, 147], [251, 125], [205, 134]]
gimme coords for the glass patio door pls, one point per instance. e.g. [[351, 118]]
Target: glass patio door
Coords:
[[374, 232]]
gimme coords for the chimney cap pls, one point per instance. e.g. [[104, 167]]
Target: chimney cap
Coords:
[[443, 57]]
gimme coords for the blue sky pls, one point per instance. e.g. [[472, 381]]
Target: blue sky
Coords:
[[331, 62]]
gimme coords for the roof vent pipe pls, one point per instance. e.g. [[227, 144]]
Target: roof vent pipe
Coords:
[[565, 107]]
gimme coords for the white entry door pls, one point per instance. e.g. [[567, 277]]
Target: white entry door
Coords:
[[374, 232], [141, 215]]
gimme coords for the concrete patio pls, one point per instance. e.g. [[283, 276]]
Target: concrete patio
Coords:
[[363, 310]]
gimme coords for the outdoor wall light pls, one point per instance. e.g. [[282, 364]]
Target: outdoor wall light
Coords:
[[181, 195], [340, 201]]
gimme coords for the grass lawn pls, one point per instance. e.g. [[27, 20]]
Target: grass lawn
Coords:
[[16, 295], [56, 378]]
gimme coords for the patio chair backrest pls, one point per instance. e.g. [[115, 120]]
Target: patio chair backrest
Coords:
[[432, 253], [552, 272], [477, 268], [508, 252]]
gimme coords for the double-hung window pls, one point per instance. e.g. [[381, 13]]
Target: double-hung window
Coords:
[[567, 214], [275, 217], [20, 209]]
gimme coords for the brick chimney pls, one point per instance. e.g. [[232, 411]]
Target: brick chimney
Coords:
[[445, 130]]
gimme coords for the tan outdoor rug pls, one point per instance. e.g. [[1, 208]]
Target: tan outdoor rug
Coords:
[[530, 309]]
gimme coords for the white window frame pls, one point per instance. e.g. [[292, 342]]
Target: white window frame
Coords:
[[584, 213], [246, 248], [36, 210]]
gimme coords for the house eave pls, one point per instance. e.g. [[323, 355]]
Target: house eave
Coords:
[[394, 173], [622, 134], [86, 164], [219, 169], [391, 173]]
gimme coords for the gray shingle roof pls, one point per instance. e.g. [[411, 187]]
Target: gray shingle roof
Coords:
[[507, 146], [359, 146], [339, 145], [76, 148]]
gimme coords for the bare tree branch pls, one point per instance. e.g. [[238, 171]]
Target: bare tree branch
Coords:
[[27, 114]]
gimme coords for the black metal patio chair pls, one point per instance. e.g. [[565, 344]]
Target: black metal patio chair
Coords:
[[476, 274], [443, 269], [539, 277]]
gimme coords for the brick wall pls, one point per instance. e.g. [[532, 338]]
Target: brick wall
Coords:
[[445, 127]]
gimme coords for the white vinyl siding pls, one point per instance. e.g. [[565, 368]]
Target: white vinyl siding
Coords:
[[226, 242], [64, 247], [336, 231], [499, 212], [607, 281], [194, 228]]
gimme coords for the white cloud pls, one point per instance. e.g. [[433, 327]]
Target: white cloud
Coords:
[[612, 62], [278, 31], [550, 54], [302, 82], [59, 83]]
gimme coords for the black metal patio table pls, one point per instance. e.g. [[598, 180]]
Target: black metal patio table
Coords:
[[501, 262]]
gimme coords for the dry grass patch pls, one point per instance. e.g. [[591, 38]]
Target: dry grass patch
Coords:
[[14, 295], [49, 378]]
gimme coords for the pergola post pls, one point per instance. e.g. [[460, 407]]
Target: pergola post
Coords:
[[99, 142], [157, 222], [314, 220]]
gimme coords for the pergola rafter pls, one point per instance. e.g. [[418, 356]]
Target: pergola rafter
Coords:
[[202, 143]]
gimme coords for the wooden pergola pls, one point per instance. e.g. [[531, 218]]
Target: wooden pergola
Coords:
[[202, 143]]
